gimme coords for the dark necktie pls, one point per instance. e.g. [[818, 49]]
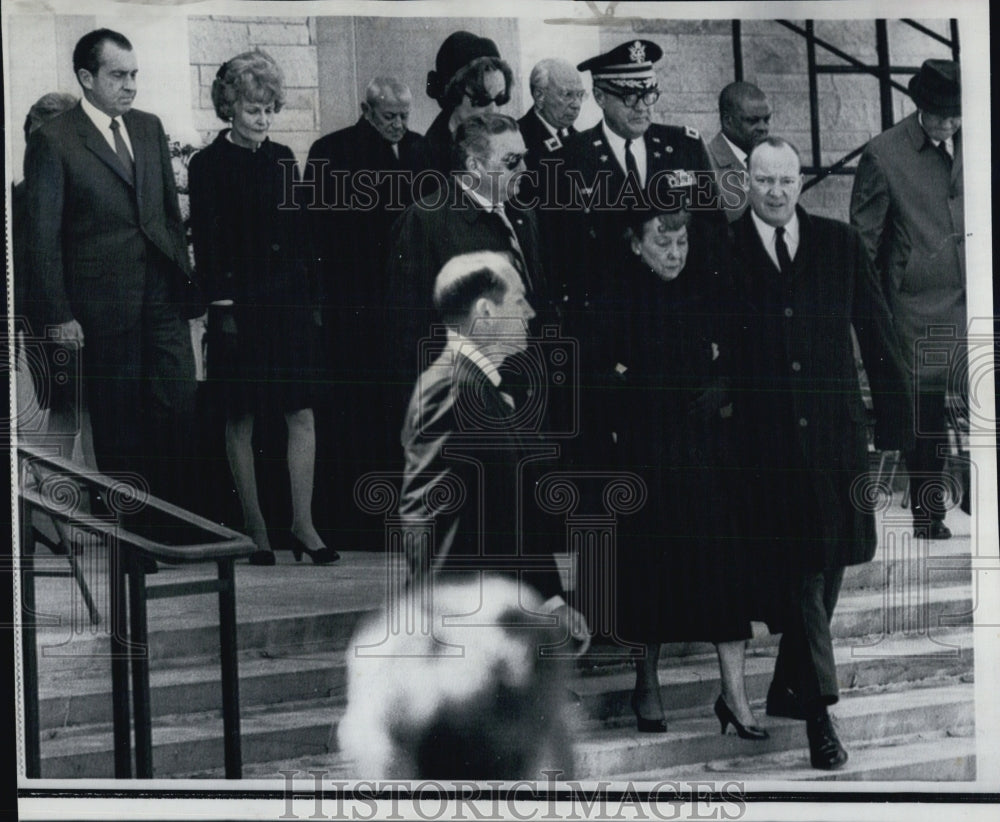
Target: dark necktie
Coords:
[[630, 164], [781, 249], [942, 149], [515, 246], [122, 150]]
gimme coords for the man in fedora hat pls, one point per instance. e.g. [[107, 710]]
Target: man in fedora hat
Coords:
[[908, 204]]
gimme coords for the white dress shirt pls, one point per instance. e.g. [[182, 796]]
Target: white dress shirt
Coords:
[[618, 149], [103, 123], [767, 235]]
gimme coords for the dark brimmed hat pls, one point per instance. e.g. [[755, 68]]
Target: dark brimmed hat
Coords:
[[628, 67], [457, 51], [937, 89]]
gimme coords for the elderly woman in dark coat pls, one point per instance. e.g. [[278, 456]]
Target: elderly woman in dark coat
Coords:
[[683, 572], [252, 252]]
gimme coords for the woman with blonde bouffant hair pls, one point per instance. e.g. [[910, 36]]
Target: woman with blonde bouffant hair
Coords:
[[252, 252]]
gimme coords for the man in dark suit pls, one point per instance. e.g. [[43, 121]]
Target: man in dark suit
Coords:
[[467, 491], [908, 204], [472, 213], [362, 178], [624, 161], [745, 116], [107, 246], [802, 282], [558, 93]]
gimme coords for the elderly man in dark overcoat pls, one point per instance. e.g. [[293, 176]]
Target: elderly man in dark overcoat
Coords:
[[908, 204], [362, 177], [803, 282]]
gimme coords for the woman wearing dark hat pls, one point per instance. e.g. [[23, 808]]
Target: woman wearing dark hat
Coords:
[[252, 253], [683, 573], [468, 78]]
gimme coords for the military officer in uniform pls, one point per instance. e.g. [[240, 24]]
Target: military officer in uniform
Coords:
[[623, 162]]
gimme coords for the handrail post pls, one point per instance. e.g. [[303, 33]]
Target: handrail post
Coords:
[[119, 662], [230, 677], [29, 650], [139, 658]]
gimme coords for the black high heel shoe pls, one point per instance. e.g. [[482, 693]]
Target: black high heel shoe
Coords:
[[319, 556], [646, 726], [727, 717]]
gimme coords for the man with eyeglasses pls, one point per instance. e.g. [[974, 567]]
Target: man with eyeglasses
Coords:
[[558, 94], [473, 212], [623, 161], [745, 115]]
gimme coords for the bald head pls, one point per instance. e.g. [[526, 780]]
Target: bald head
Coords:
[[558, 92], [745, 114]]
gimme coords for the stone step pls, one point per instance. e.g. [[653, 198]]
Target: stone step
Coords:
[[191, 742], [67, 699], [901, 710], [279, 724], [859, 613], [948, 756], [861, 663], [921, 733], [70, 697]]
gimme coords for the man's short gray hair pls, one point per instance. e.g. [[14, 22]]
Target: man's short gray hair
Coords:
[[381, 87]]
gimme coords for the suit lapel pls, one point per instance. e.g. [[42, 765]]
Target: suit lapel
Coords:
[[95, 142]]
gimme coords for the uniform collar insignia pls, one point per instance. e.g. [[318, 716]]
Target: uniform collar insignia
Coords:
[[552, 143]]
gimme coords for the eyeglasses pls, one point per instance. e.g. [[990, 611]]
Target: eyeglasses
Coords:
[[632, 98], [513, 160], [480, 99]]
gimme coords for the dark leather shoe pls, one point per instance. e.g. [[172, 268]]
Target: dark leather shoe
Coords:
[[933, 530], [783, 701], [825, 751]]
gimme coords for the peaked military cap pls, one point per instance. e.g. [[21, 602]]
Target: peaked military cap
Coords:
[[628, 66]]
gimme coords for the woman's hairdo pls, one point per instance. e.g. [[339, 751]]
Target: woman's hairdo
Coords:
[[252, 76], [673, 220], [471, 78]]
